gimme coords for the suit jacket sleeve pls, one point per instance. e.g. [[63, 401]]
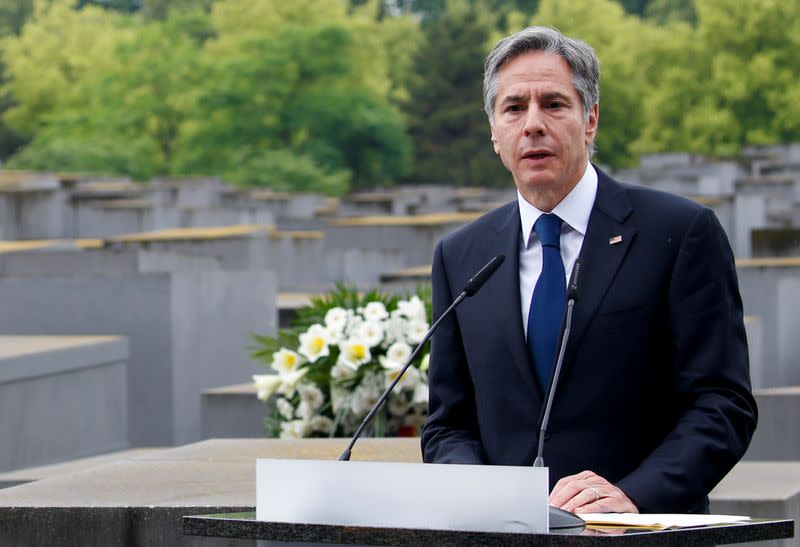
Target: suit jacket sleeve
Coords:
[[451, 433], [717, 414]]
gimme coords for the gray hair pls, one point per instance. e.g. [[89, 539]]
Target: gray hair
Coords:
[[579, 56]]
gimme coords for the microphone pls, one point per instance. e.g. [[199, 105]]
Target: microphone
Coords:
[[560, 518], [477, 280], [470, 288]]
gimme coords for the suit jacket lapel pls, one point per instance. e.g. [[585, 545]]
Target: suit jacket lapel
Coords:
[[601, 255], [507, 294]]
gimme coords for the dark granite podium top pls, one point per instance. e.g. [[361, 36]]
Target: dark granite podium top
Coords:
[[245, 526]]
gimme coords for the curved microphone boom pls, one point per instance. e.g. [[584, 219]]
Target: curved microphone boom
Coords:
[[470, 288]]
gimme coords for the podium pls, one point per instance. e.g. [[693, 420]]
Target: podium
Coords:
[[245, 526], [311, 502]]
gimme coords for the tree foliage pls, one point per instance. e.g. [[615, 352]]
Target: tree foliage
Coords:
[[331, 94], [446, 117], [212, 92]]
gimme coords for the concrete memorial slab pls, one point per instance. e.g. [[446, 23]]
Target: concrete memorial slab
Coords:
[[61, 397], [188, 331], [140, 500], [233, 411], [761, 489], [295, 256], [777, 436], [770, 289]]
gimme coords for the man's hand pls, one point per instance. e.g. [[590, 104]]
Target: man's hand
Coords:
[[588, 492]]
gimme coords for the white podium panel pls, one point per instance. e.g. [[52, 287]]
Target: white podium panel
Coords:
[[403, 495]]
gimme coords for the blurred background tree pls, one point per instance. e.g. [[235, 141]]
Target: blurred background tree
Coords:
[[331, 95]]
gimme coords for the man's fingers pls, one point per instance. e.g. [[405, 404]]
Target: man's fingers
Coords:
[[587, 492], [570, 486], [584, 497]]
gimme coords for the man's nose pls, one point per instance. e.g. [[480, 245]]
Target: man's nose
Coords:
[[534, 122]]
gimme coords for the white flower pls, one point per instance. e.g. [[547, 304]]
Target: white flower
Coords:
[[285, 361], [394, 330], [340, 371], [354, 353], [335, 337], [399, 352], [321, 424], [304, 411], [340, 398], [353, 323], [295, 429], [397, 405], [420, 394], [366, 394], [371, 333], [425, 363], [311, 394], [266, 384], [285, 408], [314, 343], [336, 319], [290, 382], [409, 380], [412, 309], [416, 330], [375, 311]]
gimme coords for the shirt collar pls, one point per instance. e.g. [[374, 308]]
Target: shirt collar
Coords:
[[574, 209]]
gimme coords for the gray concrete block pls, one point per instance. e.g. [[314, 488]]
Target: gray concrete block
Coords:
[[770, 290], [761, 489], [759, 372], [233, 412], [61, 398], [777, 436], [188, 331]]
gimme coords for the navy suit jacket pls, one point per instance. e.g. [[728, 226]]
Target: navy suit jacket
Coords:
[[654, 393]]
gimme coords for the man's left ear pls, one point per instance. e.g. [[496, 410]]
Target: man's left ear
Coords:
[[591, 123]]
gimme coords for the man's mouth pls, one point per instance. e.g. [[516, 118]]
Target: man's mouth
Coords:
[[536, 155]]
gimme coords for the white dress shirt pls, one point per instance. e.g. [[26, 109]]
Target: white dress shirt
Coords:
[[574, 211]]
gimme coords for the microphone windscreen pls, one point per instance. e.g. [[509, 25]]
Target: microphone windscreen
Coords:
[[476, 282], [575, 281]]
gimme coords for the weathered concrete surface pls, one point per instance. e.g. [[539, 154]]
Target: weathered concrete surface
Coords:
[[61, 397], [140, 500], [33, 474], [761, 489]]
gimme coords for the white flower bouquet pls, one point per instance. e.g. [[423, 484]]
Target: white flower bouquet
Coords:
[[335, 362]]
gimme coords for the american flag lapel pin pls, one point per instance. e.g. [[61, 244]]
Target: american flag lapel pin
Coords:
[[614, 240]]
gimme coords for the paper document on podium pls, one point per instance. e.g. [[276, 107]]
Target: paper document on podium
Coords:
[[658, 521]]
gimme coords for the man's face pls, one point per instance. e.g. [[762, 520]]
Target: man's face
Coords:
[[539, 130]]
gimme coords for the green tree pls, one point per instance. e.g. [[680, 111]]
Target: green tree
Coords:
[[736, 84], [447, 123], [125, 117], [317, 85], [56, 49]]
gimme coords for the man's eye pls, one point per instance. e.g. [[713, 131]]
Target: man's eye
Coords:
[[555, 104], [514, 108]]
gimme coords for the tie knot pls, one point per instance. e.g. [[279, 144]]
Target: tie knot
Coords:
[[548, 228]]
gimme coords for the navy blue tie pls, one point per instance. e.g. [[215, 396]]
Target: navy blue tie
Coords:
[[548, 301]]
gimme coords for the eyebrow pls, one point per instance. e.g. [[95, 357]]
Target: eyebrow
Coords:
[[547, 97]]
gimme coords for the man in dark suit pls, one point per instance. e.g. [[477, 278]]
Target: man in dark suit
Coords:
[[653, 405]]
